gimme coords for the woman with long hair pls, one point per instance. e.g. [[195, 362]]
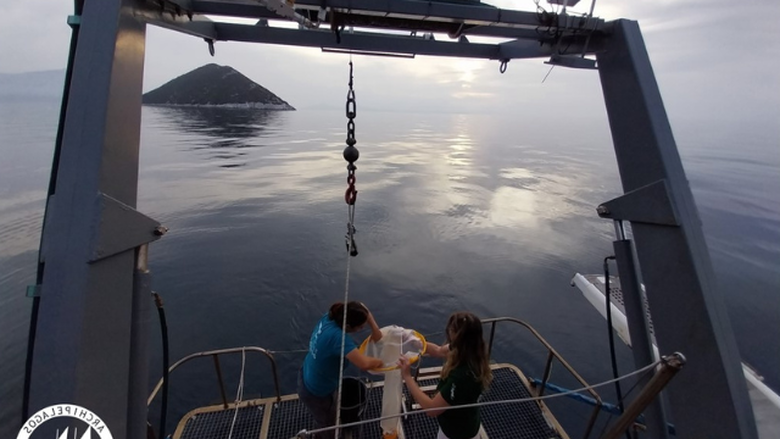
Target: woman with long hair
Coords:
[[318, 380], [465, 375]]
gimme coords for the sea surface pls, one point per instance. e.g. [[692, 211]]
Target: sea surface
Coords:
[[488, 213]]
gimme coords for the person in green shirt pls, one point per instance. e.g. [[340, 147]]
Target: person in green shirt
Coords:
[[465, 375]]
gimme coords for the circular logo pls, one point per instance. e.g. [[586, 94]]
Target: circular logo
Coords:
[[87, 425]]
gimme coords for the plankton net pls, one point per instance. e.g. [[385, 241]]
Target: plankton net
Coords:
[[395, 342]]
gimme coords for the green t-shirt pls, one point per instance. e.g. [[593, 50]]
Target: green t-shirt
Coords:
[[460, 387]]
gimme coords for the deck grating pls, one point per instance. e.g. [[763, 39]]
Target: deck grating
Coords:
[[373, 411], [523, 420], [287, 418], [216, 425], [419, 426], [501, 421]]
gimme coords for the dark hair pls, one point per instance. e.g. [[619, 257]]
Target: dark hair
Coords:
[[464, 332], [357, 314]]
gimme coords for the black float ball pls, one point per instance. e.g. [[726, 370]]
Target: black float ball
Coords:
[[351, 154]]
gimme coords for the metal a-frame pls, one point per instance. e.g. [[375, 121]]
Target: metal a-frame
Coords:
[[92, 313]]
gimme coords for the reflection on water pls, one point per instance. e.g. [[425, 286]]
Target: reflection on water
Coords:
[[218, 122], [454, 212], [27, 132], [222, 132], [472, 180]]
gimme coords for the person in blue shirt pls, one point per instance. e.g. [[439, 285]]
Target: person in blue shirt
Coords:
[[318, 380]]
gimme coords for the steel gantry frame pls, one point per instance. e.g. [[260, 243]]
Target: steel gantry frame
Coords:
[[92, 310]]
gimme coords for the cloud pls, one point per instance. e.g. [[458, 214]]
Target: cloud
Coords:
[[34, 36], [711, 59]]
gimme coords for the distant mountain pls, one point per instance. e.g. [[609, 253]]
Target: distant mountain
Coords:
[[215, 85], [44, 85]]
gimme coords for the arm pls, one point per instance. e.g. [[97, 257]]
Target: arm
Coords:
[[425, 401], [434, 350], [363, 362], [376, 334]]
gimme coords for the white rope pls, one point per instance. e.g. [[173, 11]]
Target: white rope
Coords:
[[293, 351], [303, 351], [239, 391], [351, 216], [306, 433]]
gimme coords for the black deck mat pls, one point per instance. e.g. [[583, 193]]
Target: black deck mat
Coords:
[[216, 425], [501, 421]]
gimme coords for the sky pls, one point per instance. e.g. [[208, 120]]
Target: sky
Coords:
[[713, 59]]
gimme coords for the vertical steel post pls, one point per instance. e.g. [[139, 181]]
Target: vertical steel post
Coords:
[[139, 353], [639, 330], [31, 337], [220, 381], [492, 335], [547, 373], [689, 314], [85, 349]]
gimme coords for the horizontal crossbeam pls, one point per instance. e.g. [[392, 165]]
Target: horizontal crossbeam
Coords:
[[477, 18], [532, 35], [178, 17], [364, 41]]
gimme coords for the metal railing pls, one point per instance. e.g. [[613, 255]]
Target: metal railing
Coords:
[[552, 354], [215, 356]]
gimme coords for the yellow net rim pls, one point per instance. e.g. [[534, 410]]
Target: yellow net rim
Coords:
[[412, 360]]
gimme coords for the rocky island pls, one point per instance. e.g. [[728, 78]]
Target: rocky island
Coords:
[[213, 85]]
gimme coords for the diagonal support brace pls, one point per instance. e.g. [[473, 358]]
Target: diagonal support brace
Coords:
[[649, 204], [120, 228]]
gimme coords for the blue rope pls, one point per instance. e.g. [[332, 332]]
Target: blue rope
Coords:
[[604, 406]]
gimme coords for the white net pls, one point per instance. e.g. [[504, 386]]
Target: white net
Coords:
[[396, 342]]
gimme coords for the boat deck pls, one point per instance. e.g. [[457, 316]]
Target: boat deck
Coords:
[[765, 401], [267, 419]]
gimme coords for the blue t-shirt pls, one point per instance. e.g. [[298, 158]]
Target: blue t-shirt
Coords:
[[321, 366]]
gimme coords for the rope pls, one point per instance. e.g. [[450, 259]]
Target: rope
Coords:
[[351, 155], [292, 351], [303, 351], [343, 342], [306, 433], [239, 391]]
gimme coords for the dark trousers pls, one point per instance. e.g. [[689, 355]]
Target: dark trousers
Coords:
[[321, 408]]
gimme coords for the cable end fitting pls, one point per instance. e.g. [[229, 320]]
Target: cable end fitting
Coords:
[[157, 300], [676, 360]]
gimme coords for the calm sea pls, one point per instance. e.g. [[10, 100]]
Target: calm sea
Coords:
[[486, 213]]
